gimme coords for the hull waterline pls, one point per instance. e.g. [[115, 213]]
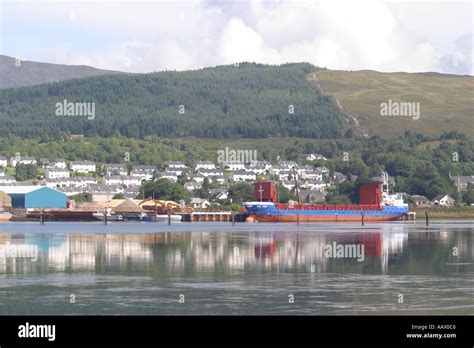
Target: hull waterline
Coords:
[[320, 218]]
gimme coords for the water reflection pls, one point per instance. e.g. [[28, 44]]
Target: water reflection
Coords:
[[387, 250]]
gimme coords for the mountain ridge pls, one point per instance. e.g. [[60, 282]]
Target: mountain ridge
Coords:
[[24, 73]]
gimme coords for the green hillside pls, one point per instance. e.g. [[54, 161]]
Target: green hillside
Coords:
[[248, 100], [446, 101]]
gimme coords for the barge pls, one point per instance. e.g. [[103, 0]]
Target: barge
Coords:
[[375, 205]]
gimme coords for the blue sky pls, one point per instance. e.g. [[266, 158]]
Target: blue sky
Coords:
[[158, 35]]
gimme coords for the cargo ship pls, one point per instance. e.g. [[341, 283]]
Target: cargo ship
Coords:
[[375, 205]]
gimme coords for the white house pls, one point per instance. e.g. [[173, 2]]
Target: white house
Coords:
[[76, 182], [116, 169], [171, 176], [142, 175], [113, 180], [143, 171], [82, 166], [444, 200], [131, 180], [323, 170], [3, 161], [243, 176], [204, 165], [122, 180], [210, 172], [234, 166], [58, 163], [87, 180], [302, 169], [312, 174], [256, 168], [199, 203], [175, 164], [280, 168], [176, 170], [317, 185], [56, 173], [192, 185]]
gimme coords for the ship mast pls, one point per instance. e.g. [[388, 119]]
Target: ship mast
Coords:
[[261, 192], [296, 186]]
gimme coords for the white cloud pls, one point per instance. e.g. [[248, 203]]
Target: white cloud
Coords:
[[152, 36]]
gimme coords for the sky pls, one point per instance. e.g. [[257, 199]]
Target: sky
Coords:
[[148, 36]]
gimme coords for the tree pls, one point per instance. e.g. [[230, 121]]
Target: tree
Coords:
[[241, 192], [203, 191], [118, 196], [165, 190], [362, 179], [337, 199], [284, 195], [468, 196], [25, 172], [80, 198]]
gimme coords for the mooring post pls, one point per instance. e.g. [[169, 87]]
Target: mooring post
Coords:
[[105, 216], [42, 217], [297, 219], [169, 218], [427, 218], [363, 218], [233, 218]]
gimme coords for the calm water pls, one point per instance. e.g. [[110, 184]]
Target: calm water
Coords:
[[146, 268]]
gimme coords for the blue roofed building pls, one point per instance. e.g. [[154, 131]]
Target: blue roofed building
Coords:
[[35, 197]]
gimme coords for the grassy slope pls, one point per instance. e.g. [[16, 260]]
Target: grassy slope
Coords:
[[446, 101]]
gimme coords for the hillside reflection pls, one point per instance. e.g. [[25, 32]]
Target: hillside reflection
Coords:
[[389, 250]]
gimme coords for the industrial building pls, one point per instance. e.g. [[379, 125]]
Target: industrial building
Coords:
[[35, 197]]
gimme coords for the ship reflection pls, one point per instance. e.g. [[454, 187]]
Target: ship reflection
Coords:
[[387, 249]]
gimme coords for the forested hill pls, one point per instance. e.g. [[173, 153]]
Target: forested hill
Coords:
[[16, 73], [245, 100]]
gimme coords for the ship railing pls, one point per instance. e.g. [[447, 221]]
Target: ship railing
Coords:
[[337, 207]]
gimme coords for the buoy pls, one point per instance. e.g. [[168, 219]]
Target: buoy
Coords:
[[249, 219]]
